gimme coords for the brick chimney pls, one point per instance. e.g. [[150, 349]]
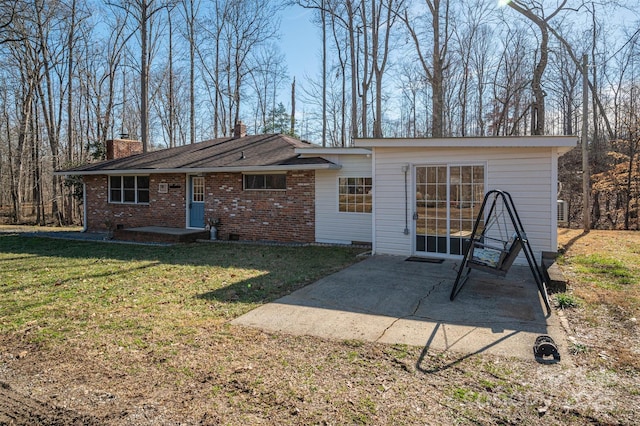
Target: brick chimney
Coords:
[[119, 148], [240, 130]]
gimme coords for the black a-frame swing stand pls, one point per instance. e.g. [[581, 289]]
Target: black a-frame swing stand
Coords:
[[490, 251]]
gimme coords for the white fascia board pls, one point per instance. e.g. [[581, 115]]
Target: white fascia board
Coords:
[[472, 142], [200, 170], [333, 151]]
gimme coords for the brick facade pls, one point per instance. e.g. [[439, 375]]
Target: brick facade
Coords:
[[285, 216], [163, 209], [282, 216], [120, 148]]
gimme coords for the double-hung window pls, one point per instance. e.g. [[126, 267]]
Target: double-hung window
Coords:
[[129, 189]]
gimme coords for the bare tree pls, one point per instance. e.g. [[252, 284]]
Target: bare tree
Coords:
[[346, 27], [631, 148], [534, 11], [12, 14], [267, 75], [383, 17], [191, 9], [143, 12], [236, 29], [340, 41], [481, 62], [171, 98], [25, 92], [251, 23], [213, 30], [509, 106], [351, 28], [471, 47], [51, 105], [101, 67], [566, 86], [436, 25]]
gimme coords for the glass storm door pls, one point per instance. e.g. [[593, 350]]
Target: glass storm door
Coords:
[[448, 199], [196, 202]]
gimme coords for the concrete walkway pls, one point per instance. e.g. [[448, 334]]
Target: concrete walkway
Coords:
[[387, 299]]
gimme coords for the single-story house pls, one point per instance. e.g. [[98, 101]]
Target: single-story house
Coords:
[[403, 196], [427, 192]]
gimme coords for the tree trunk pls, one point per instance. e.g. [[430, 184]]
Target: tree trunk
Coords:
[[354, 70], [437, 122], [323, 17], [365, 70], [293, 107], [435, 72], [144, 75], [172, 106], [538, 104], [191, 16], [67, 199], [48, 111]]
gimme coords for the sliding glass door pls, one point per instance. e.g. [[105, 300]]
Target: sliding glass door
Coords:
[[448, 198]]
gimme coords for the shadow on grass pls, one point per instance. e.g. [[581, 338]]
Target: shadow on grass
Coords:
[[254, 290], [439, 368], [198, 254], [572, 241], [282, 269], [59, 282]]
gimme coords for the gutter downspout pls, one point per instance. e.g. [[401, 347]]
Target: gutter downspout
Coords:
[[405, 170]]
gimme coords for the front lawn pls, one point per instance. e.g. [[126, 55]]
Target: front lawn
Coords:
[[119, 334], [61, 289]]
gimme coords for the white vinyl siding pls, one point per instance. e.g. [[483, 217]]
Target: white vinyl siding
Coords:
[[333, 226], [528, 174]]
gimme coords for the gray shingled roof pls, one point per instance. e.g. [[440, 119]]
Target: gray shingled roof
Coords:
[[255, 152]]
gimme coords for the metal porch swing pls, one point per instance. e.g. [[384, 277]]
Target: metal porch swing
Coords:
[[492, 249]]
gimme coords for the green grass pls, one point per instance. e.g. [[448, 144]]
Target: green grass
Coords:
[[58, 289], [566, 301], [465, 395], [605, 271]]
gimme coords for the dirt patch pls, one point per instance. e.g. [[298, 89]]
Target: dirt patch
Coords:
[[17, 409], [247, 377]]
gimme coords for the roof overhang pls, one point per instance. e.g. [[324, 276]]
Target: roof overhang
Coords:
[[333, 151], [562, 143], [243, 169]]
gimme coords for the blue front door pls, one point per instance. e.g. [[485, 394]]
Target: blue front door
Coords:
[[196, 202]]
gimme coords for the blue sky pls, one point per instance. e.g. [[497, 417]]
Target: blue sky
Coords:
[[301, 43]]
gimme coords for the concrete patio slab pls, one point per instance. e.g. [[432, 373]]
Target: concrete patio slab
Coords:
[[390, 300]]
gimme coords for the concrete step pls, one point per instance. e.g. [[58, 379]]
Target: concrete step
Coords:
[[159, 234], [553, 274]]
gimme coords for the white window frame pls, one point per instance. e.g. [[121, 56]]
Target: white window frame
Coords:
[[448, 166], [364, 185]]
